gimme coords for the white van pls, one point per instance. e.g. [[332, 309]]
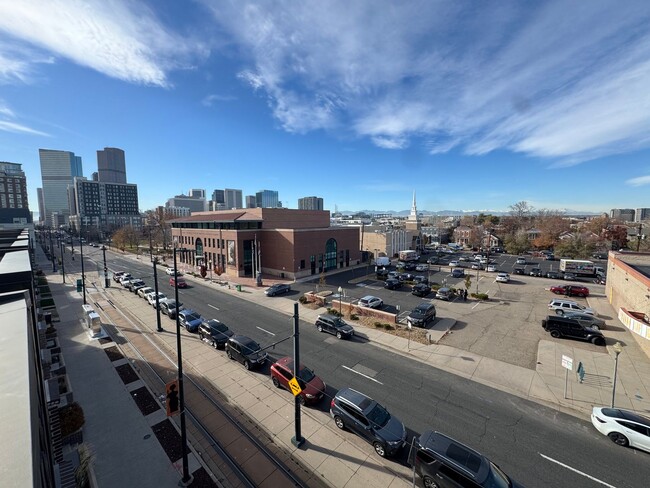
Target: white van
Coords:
[[382, 261]]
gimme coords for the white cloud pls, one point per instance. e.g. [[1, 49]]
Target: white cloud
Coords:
[[5, 110], [639, 181], [119, 38], [209, 100], [19, 128], [567, 82]]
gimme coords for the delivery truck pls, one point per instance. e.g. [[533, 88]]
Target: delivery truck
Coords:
[[578, 267]]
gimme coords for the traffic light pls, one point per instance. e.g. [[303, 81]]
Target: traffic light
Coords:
[[171, 395]]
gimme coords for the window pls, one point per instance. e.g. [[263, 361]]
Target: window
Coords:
[[425, 457], [635, 427], [286, 373]]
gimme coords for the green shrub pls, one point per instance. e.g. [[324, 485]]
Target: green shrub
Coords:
[[480, 296], [335, 312], [388, 327], [302, 299], [354, 317], [378, 325]]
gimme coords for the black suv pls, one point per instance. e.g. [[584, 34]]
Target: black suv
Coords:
[[443, 461], [214, 333], [421, 290], [382, 274], [421, 315], [559, 326], [334, 325], [392, 284], [246, 351], [367, 418], [535, 272]]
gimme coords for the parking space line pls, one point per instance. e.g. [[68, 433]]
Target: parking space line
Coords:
[[360, 374], [476, 305], [577, 471], [264, 330], [212, 306]]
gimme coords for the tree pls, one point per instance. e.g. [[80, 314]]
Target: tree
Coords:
[[521, 212], [516, 243], [618, 235], [576, 247]]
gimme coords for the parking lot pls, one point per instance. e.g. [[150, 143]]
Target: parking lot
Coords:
[[507, 327]]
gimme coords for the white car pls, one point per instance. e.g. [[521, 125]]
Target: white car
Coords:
[[172, 272], [371, 302], [453, 264], [422, 267], [478, 257], [503, 278], [560, 306], [142, 292], [623, 427], [520, 261], [151, 298], [491, 268]]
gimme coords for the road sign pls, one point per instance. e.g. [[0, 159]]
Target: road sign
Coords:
[[295, 387], [567, 362], [171, 395]]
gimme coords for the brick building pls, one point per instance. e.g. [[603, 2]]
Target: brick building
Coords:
[[276, 241]]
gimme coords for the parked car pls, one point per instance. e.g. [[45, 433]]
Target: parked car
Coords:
[[169, 308], [371, 302], [519, 271], [453, 264], [392, 275], [422, 267], [190, 320], [135, 285], [313, 388], [623, 427], [151, 298], [535, 272], [421, 279], [405, 277], [362, 415], [334, 325], [457, 273], [142, 292], [563, 327], [421, 315], [600, 280], [549, 257], [502, 278], [599, 255], [392, 284], [118, 276], [125, 278], [561, 306], [520, 261], [277, 289], [421, 290], [570, 290], [214, 333], [477, 265], [177, 281], [444, 462], [409, 266], [173, 272], [584, 318], [382, 274], [491, 268], [554, 275], [246, 351], [570, 277], [444, 294], [433, 260]]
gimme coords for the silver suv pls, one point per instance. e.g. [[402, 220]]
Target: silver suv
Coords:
[[560, 306]]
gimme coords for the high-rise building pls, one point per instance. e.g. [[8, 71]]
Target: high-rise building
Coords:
[[195, 204], [197, 193], [642, 214], [310, 203], [233, 198], [13, 186], [251, 201], [41, 205], [219, 196], [102, 205], [624, 214], [58, 169], [267, 199], [111, 165]]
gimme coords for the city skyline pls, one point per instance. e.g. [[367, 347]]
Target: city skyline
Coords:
[[473, 106]]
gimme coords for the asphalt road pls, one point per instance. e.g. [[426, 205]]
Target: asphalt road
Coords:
[[534, 444]]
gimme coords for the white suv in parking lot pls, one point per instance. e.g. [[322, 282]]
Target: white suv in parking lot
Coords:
[[502, 278], [560, 304], [371, 302]]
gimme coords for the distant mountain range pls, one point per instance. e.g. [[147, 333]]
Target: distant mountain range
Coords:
[[447, 213]]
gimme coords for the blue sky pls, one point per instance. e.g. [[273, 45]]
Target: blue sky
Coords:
[[474, 105]]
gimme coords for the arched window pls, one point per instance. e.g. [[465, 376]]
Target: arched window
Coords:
[[330, 254]]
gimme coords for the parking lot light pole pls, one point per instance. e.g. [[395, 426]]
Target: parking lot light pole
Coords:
[[340, 299], [61, 248], [181, 392], [618, 349], [155, 284]]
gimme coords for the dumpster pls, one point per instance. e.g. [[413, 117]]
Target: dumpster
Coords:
[[79, 285], [238, 287]]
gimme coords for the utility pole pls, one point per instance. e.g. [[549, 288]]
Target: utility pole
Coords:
[[155, 285], [61, 248], [639, 236], [52, 253], [71, 244], [298, 440], [83, 273], [181, 393], [107, 283]]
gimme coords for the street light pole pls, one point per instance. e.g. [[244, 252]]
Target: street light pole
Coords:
[[83, 273], [298, 440], [61, 248], [340, 299], [52, 253], [618, 349], [181, 393], [155, 284], [106, 282]]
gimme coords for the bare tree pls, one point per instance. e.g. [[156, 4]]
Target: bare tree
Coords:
[[521, 212]]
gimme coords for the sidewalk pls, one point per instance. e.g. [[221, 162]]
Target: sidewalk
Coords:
[[126, 451], [544, 385]]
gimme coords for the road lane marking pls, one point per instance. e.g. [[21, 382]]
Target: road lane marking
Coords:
[[264, 330], [361, 374], [212, 306], [576, 471], [477, 304]]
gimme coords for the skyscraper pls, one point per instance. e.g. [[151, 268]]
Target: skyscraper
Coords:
[[41, 205], [111, 165], [218, 196], [197, 193], [642, 214], [233, 198], [624, 214], [13, 186], [267, 198], [310, 203], [102, 205], [58, 169], [251, 201]]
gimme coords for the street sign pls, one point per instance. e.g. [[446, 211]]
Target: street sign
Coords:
[[295, 387], [567, 362], [171, 395]]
